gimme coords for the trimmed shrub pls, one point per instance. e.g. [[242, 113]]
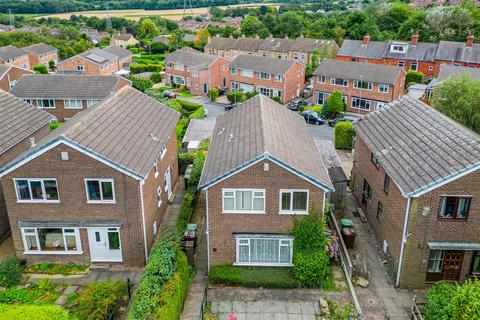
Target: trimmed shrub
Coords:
[[198, 114], [235, 96], [156, 77], [31, 312], [54, 125], [213, 94], [466, 302], [344, 134], [140, 68], [141, 84], [439, 298], [184, 159], [264, 277], [188, 106], [96, 299], [277, 99], [250, 95], [40, 69], [10, 272], [186, 211]]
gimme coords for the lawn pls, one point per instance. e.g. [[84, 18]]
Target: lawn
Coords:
[[185, 93]]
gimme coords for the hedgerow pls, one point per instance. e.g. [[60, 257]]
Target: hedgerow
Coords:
[[344, 134]]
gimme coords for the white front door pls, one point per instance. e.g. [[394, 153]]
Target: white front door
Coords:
[[167, 180], [105, 244]]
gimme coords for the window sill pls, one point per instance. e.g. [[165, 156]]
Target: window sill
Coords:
[[101, 202], [452, 219], [72, 108], [293, 213], [38, 201], [247, 264], [156, 175], [243, 212], [52, 252]]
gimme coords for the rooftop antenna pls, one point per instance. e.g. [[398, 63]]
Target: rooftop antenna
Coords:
[[108, 23], [12, 18]]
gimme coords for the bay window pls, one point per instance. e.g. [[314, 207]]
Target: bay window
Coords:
[[100, 190], [243, 200], [36, 190], [51, 240], [452, 207], [363, 104], [264, 250], [294, 201]]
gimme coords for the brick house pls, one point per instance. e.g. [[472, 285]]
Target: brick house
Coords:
[[96, 189], [425, 57], [364, 87], [415, 175], [195, 70], [41, 53], [9, 76], [14, 56], [123, 40], [261, 171], [65, 95], [268, 76], [450, 72], [21, 124], [299, 49], [105, 61]]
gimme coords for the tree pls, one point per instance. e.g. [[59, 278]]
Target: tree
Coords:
[[394, 16], [359, 24], [250, 26], [157, 47], [141, 84], [51, 65], [147, 28], [213, 94], [40, 69], [334, 104], [459, 99], [290, 23], [201, 39], [413, 77]]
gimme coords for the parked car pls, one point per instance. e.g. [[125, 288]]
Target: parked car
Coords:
[[295, 104], [231, 106], [343, 117], [311, 116], [222, 91], [308, 91], [170, 94]]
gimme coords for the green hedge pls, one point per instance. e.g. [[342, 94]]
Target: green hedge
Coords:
[[235, 96], [265, 277], [31, 312], [213, 94], [184, 159], [10, 272], [188, 106], [198, 114], [174, 291], [139, 68], [344, 134], [186, 211], [96, 299]]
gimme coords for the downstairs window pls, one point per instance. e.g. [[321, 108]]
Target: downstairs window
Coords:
[[265, 251]]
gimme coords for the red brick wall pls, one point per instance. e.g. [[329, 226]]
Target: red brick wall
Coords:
[[12, 75], [218, 70], [36, 59], [89, 67], [19, 61], [222, 225], [73, 205]]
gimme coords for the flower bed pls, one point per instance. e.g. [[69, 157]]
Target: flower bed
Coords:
[[51, 268]]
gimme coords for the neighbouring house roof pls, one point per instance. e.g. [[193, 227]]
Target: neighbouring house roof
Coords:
[[5, 68], [449, 71], [356, 48], [417, 90], [11, 52], [358, 71], [331, 160], [40, 48], [126, 130], [164, 38], [123, 36], [18, 120], [98, 56], [221, 43], [65, 86], [419, 147], [262, 129], [458, 51], [199, 130], [262, 64], [118, 51], [190, 57], [422, 51]]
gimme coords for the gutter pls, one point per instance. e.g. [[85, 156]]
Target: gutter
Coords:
[[404, 240], [207, 232], [141, 183]]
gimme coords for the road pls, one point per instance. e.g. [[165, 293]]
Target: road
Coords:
[[317, 131]]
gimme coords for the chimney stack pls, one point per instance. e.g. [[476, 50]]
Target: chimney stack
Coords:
[[366, 39], [414, 39], [470, 38]]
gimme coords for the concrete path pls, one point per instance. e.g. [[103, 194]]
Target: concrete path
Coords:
[[91, 276], [170, 217], [380, 300]]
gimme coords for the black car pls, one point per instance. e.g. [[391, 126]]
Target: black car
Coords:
[[295, 104], [232, 106], [222, 91], [341, 118], [311, 116]]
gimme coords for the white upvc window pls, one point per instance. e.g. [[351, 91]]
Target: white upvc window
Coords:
[[398, 48], [338, 82], [294, 201], [100, 190], [414, 66], [178, 66], [276, 93], [264, 75], [264, 250], [163, 151], [382, 87], [363, 85], [243, 200], [194, 72], [278, 78], [159, 196], [72, 104], [321, 79], [51, 240], [179, 80], [264, 91], [155, 168], [36, 190], [246, 73], [401, 64], [28, 100], [46, 103], [91, 102], [233, 71], [362, 104]]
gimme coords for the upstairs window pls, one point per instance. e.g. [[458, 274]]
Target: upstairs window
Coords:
[[264, 75], [155, 168], [414, 66], [386, 183], [246, 73], [278, 78], [380, 211], [91, 102], [375, 160], [367, 190], [294, 201], [46, 103], [100, 190], [364, 85], [339, 82], [243, 201], [36, 190], [179, 66], [72, 104], [233, 71], [383, 88], [454, 207], [398, 48], [321, 79]]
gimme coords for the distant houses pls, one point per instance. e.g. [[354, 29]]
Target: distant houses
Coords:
[[29, 56]]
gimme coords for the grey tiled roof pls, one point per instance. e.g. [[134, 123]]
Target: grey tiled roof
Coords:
[[39, 48], [11, 52], [418, 147], [118, 51], [190, 57], [422, 51], [262, 64], [457, 51], [123, 36], [18, 120], [99, 56], [126, 130], [354, 71], [262, 128], [356, 48], [448, 71], [199, 129], [65, 86], [221, 43]]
